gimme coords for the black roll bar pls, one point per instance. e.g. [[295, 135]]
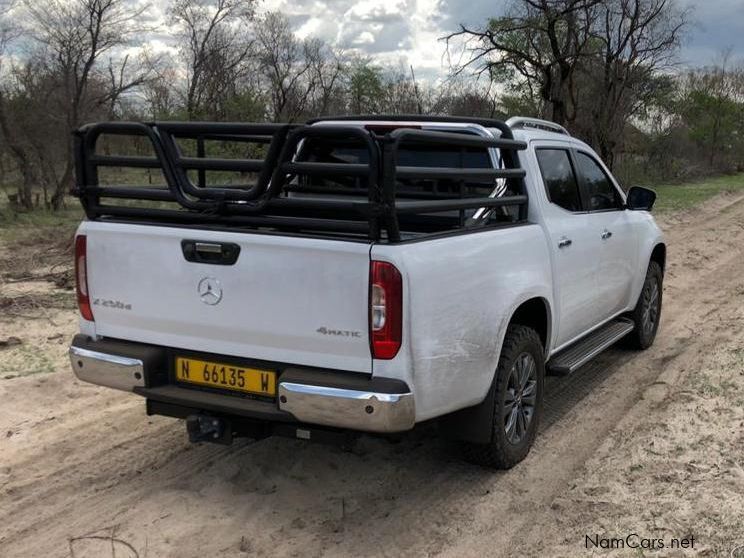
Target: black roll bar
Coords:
[[276, 201]]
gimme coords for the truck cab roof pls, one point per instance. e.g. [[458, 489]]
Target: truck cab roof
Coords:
[[521, 127]]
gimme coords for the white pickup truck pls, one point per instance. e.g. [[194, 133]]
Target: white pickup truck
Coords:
[[355, 273]]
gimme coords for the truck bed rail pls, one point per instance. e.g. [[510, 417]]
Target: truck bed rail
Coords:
[[275, 188]]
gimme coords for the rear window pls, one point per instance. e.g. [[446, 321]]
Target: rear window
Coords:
[[439, 156], [413, 156], [432, 156]]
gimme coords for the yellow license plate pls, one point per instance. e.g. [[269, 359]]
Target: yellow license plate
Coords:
[[226, 376]]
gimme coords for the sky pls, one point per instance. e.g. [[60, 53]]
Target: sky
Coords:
[[407, 31]]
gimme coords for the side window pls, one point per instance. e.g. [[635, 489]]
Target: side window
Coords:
[[601, 193], [559, 178]]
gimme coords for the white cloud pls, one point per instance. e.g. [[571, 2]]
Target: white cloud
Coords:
[[408, 32], [365, 38], [398, 32]]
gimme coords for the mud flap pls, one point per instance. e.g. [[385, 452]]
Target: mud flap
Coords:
[[472, 424]]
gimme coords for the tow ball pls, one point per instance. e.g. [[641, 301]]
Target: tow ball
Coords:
[[203, 428]]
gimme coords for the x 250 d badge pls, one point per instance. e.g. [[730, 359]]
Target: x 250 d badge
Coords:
[[108, 303]]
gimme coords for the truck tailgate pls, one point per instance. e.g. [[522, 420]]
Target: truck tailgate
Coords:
[[286, 299]]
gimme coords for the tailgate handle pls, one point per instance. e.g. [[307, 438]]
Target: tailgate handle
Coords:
[[216, 253]]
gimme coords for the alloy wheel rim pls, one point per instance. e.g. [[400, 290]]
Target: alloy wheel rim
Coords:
[[650, 306], [521, 398]]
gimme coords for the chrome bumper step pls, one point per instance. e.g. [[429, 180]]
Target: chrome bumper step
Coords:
[[590, 346], [104, 369], [355, 402], [348, 408]]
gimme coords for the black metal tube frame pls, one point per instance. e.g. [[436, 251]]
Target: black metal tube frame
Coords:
[[265, 204]]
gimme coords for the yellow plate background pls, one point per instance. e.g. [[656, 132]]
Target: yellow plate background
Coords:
[[255, 381]]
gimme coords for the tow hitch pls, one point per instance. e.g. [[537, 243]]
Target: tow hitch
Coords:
[[203, 428]]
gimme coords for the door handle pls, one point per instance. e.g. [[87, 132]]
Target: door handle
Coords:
[[606, 234], [564, 242], [216, 253]]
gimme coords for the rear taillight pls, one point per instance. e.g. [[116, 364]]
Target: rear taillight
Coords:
[[81, 277], [385, 309]]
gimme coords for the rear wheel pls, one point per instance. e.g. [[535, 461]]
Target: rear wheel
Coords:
[[647, 312], [518, 395]]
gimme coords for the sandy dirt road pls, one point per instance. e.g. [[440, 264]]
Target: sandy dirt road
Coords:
[[649, 443]]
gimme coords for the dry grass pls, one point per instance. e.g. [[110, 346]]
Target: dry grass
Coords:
[[35, 305], [44, 254], [36, 274]]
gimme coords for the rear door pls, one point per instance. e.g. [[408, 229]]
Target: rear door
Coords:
[[285, 299], [574, 248], [612, 225]]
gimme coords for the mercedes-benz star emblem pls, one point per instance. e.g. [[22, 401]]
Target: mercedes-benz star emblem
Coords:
[[210, 290]]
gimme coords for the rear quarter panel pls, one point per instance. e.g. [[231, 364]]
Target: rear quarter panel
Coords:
[[459, 295]]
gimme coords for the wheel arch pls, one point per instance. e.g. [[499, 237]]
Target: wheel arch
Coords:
[[473, 424], [658, 255], [535, 313], [652, 249]]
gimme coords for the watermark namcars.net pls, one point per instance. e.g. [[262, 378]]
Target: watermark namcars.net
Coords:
[[636, 541]]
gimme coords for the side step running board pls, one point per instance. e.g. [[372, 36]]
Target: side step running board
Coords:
[[590, 346]]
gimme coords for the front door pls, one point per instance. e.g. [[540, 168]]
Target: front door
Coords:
[[612, 225], [574, 247]]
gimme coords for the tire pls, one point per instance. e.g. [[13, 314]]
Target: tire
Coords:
[[647, 313], [508, 446]]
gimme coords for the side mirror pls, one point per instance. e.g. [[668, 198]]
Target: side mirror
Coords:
[[640, 198]]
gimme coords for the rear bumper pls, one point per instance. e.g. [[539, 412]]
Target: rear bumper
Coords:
[[310, 396], [105, 369], [347, 408]]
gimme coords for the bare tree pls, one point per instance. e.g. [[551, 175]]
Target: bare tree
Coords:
[[215, 44], [400, 94], [594, 64], [124, 75], [15, 144], [160, 96], [465, 98], [286, 65], [61, 85], [540, 41], [638, 39], [326, 72]]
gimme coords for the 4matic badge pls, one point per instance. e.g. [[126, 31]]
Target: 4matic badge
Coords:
[[338, 332]]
